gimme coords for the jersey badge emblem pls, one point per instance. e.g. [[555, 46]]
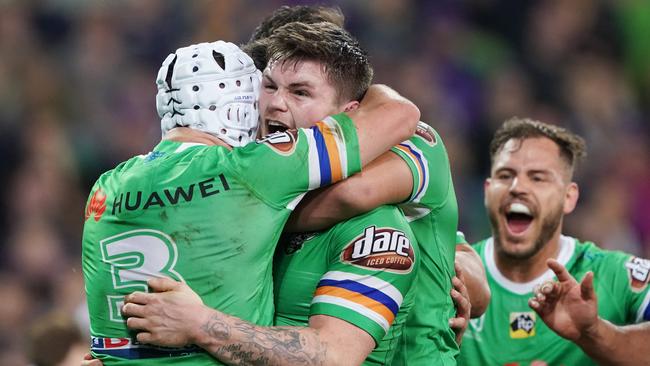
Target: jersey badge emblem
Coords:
[[284, 143], [522, 325], [294, 242], [638, 270], [97, 205], [380, 249]]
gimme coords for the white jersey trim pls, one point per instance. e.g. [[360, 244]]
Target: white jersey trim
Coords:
[[643, 308], [567, 248]]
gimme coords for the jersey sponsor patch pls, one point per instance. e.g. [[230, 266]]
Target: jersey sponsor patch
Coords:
[[522, 325], [97, 205], [425, 132], [638, 270], [381, 249], [284, 143]]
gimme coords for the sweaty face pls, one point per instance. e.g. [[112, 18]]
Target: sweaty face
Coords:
[[296, 95], [526, 196]]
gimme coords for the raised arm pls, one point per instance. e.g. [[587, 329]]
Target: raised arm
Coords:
[[176, 316], [386, 180], [383, 119], [570, 309]]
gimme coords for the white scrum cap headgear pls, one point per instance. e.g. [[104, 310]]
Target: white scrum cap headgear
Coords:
[[211, 87]]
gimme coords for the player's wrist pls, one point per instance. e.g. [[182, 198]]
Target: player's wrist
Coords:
[[200, 329]]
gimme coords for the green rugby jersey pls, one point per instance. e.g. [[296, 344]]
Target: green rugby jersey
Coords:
[[510, 333], [432, 212], [360, 271], [204, 215]]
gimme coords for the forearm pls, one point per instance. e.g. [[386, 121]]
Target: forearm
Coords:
[[356, 195], [475, 279], [609, 344], [236, 342]]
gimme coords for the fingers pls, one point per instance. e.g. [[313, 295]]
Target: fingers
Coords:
[[131, 309], [137, 324], [162, 284], [144, 337], [587, 286], [139, 297], [560, 271], [88, 360], [457, 323]]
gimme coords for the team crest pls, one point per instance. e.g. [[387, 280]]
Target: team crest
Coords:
[[97, 205], [522, 325], [284, 143], [381, 249], [294, 242], [638, 270], [425, 132]]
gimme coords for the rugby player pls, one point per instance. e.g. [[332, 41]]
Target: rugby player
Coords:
[[529, 191], [290, 90], [208, 215]]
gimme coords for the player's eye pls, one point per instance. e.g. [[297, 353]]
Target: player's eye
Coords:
[[301, 93]]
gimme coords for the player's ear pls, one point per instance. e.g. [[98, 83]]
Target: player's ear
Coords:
[[351, 105], [571, 198]]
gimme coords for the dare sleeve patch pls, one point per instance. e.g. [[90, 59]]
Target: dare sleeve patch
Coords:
[[381, 249]]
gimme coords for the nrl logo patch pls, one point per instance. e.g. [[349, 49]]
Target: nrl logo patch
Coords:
[[381, 249], [522, 325], [638, 270], [425, 132], [284, 143]]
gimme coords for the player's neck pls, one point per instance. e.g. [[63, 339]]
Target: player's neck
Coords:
[[185, 134], [526, 270]]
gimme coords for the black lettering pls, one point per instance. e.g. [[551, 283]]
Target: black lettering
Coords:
[[117, 203], [154, 199], [205, 185], [137, 202], [187, 196], [224, 182]]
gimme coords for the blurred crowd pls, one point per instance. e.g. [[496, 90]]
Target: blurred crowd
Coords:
[[77, 96]]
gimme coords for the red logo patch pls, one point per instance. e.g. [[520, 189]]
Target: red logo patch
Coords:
[[425, 132], [97, 205], [283, 143], [638, 270], [381, 249]]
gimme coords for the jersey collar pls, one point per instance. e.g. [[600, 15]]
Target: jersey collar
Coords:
[[567, 248]]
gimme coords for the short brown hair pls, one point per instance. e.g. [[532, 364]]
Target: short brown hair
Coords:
[[287, 14], [345, 62], [572, 147]]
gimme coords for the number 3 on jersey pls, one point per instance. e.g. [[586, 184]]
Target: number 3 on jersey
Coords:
[[135, 256]]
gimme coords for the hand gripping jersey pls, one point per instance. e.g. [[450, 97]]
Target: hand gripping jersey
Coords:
[[359, 271], [510, 333], [204, 215], [432, 212]]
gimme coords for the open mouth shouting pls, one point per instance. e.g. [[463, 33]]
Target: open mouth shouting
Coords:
[[518, 218], [274, 126]]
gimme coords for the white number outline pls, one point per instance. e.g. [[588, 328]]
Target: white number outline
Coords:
[[131, 260]]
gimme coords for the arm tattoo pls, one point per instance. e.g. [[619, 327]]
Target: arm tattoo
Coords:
[[237, 342]]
